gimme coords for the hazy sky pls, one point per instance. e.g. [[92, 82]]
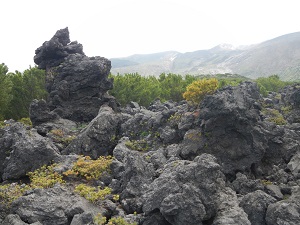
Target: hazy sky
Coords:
[[118, 28]]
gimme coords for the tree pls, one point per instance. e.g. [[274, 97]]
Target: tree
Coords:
[[134, 87], [271, 83], [196, 91], [25, 87], [172, 86], [5, 90]]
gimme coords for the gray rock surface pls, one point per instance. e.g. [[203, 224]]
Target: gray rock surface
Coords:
[[294, 164], [274, 191], [99, 137], [190, 192], [13, 219], [40, 112], [55, 205], [286, 211], [134, 175], [255, 204], [23, 150], [243, 185]]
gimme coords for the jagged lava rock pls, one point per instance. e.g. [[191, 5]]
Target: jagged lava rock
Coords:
[[255, 204], [132, 176], [193, 192], [77, 84], [286, 211], [13, 219], [55, 205], [23, 150], [98, 137], [229, 128]]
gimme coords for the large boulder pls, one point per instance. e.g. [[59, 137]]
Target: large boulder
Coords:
[[13, 219], [99, 137], [23, 150], [286, 211], [193, 192], [255, 204], [55, 205], [132, 176], [229, 129], [77, 84]]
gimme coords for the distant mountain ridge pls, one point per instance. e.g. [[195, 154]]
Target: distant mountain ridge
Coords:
[[280, 56]]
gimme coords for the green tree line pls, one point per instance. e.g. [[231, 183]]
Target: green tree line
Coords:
[[145, 89], [17, 90]]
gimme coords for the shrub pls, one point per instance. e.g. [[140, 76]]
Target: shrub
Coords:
[[274, 116], [92, 193], [45, 177], [90, 169], [101, 220], [2, 124], [57, 132], [11, 192], [138, 145], [26, 121], [271, 83], [196, 91]]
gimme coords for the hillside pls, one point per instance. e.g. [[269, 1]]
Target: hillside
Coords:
[[280, 56]]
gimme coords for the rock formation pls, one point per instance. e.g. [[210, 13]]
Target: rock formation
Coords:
[[77, 84], [225, 162]]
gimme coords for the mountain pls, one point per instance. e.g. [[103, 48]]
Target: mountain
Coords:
[[279, 56]]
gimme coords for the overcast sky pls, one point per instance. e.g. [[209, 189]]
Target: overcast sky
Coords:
[[119, 28]]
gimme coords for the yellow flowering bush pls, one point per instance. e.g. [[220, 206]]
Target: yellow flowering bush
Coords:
[[90, 169], [45, 177], [196, 91], [92, 193]]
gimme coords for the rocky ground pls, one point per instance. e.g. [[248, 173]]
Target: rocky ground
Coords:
[[233, 160]]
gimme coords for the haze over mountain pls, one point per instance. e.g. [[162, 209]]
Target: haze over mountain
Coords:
[[280, 56]]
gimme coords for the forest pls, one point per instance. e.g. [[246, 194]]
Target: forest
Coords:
[[17, 90]]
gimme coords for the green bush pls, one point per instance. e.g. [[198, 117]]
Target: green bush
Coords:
[[26, 121], [274, 116], [270, 84]]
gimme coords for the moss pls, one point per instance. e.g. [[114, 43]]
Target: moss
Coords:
[[286, 110], [3, 124], [26, 121], [137, 145], [193, 136], [266, 182], [57, 132], [102, 220], [67, 140]]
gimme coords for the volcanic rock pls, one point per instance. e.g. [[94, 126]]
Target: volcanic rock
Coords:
[[77, 84]]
